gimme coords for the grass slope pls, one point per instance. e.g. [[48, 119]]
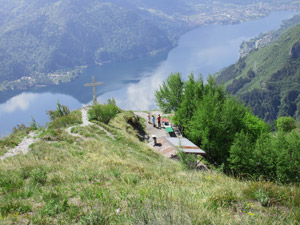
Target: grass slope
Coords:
[[268, 60], [265, 78], [97, 180]]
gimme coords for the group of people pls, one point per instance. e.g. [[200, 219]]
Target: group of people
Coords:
[[153, 120]]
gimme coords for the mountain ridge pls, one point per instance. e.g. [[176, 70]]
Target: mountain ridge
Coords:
[[42, 38], [267, 79]]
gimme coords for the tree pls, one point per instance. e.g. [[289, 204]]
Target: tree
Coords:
[[215, 124], [255, 126], [241, 154], [169, 96], [285, 123], [193, 92], [212, 88], [288, 160]]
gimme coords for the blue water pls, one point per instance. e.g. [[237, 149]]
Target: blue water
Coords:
[[204, 51]]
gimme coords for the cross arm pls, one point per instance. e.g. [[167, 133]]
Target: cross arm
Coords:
[[93, 84]]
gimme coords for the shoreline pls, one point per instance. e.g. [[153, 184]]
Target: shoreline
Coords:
[[68, 75]]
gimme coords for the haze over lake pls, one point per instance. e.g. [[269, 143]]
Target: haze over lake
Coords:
[[205, 50]]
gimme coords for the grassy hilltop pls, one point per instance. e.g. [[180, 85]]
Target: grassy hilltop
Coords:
[[93, 179]]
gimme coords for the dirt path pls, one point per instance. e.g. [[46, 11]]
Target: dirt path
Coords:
[[22, 147], [86, 122]]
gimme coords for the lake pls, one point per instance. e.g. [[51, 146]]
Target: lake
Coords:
[[204, 50]]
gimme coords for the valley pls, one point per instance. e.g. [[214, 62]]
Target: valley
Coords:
[[223, 73], [204, 50], [40, 38]]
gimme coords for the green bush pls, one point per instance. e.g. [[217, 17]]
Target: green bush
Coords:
[[21, 129], [62, 117], [33, 124], [285, 124], [288, 161], [241, 154], [103, 113], [265, 157], [273, 157], [61, 110], [189, 161], [67, 120]]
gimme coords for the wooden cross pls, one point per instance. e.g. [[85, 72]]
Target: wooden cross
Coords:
[[94, 84]]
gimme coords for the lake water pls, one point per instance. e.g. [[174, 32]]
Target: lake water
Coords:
[[205, 50]]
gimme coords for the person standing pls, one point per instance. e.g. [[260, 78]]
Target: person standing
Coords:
[[158, 121], [153, 120], [148, 117]]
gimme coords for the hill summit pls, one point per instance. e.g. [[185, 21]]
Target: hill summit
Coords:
[[96, 173]]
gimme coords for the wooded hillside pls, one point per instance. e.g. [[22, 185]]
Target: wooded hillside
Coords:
[[268, 79]]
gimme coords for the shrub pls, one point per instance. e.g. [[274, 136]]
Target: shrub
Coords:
[[33, 124], [61, 110], [285, 124], [265, 156], [214, 126], [288, 161], [66, 120], [274, 157], [103, 113], [187, 160], [20, 128]]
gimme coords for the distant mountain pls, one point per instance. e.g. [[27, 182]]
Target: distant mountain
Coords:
[[49, 41], [45, 36], [268, 79]]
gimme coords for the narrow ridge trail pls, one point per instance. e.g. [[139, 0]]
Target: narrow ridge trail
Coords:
[[86, 122], [24, 146]]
